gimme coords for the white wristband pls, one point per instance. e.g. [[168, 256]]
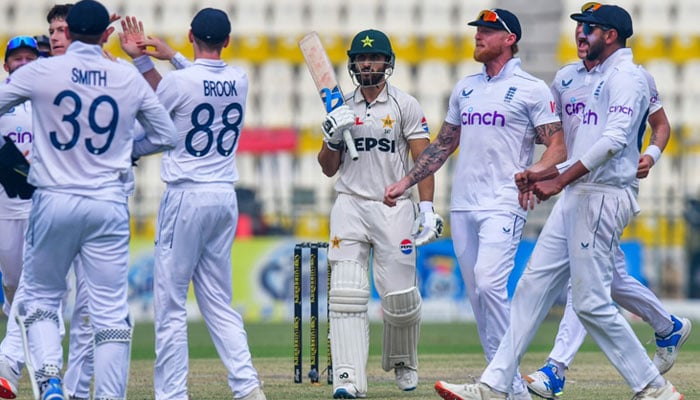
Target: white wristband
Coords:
[[143, 64], [179, 61], [425, 206], [653, 151]]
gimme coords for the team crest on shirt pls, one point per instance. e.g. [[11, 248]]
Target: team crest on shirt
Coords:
[[388, 124], [406, 246], [335, 242], [510, 94]]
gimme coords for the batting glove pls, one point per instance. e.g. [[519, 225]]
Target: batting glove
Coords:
[[336, 122], [428, 226]]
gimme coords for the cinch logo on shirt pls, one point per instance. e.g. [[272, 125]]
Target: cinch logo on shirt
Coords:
[[621, 109], [574, 108], [488, 118], [21, 137], [367, 144], [589, 118]]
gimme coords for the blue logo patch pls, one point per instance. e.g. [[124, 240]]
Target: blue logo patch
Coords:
[[406, 246], [566, 84]]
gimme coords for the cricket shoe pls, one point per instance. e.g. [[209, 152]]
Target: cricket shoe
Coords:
[[667, 347], [545, 382], [8, 380], [525, 395], [348, 391], [406, 378], [256, 394], [665, 392], [465, 391], [51, 389]]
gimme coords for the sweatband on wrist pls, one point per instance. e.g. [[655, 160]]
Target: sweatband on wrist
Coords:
[[334, 147], [653, 151], [143, 64], [179, 61], [425, 206]]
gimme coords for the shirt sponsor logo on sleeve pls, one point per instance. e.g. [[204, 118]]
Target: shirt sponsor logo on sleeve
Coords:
[[406, 246], [424, 124], [621, 109]]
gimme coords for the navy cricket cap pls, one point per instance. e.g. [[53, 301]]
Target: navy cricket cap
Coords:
[[211, 25], [610, 16], [87, 17], [499, 19]]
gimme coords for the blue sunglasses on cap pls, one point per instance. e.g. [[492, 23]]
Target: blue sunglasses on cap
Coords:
[[21, 41]]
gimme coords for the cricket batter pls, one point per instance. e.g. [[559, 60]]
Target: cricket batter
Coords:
[[386, 124], [571, 86], [82, 148], [594, 210], [199, 212], [499, 114]]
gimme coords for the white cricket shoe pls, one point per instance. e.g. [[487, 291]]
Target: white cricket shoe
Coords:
[[474, 391], [520, 396], [545, 382], [406, 378], [347, 391], [8, 380], [665, 392], [667, 347], [256, 394]]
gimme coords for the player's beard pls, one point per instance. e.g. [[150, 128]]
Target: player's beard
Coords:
[[369, 77], [595, 49], [485, 54]]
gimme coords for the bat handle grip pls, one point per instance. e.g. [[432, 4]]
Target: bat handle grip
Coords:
[[350, 144]]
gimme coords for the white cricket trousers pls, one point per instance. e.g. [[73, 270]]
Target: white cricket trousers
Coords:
[[586, 224], [485, 243], [61, 226], [196, 227], [628, 293]]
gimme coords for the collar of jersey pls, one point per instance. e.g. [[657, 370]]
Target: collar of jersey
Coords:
[[621, 55], [84, 48], [210, 63], [508, 69], [383, 95]]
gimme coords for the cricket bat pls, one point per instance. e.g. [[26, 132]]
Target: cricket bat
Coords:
[[323, 74]]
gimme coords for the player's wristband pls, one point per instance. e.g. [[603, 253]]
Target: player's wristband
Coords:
[[425, 206], [334, 147], [143, 64], [653, 151], [179, 61]]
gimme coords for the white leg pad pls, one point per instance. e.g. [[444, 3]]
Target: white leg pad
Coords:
[[402, 315], [348, 299]]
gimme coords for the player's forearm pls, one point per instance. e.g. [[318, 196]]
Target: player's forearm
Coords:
[[435, 155], [576, 171], [660, 129], [329, 159], [426, 188]]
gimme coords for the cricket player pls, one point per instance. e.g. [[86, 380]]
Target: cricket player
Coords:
[[199, 212], [571, 86], [81, 151], [594, 210], [499, 114], [386, 124], [15, 125]]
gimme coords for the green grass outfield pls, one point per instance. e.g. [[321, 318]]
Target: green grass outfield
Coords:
[[447, 351]]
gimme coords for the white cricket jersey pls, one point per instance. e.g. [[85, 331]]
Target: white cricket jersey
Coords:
[[572, 86], [85, 107], [17, 124], [498, 117], [381, 133], [207, 102], [616, 109]]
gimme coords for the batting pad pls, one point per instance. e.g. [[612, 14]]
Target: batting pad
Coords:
[[402, 315], [348, 300]]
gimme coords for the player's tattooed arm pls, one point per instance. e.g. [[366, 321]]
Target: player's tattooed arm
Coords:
[[429, 161], [432, 158], [660, 135], [552, 136]]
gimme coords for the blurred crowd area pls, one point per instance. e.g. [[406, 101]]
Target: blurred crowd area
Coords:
[[282, 189]]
